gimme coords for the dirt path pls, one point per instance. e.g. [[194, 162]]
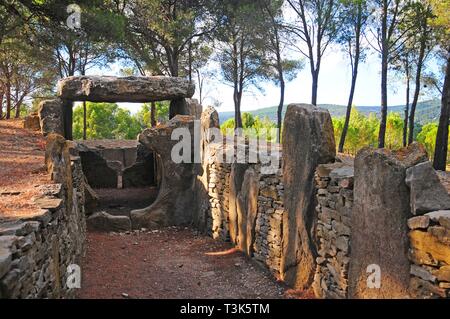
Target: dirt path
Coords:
[[171, 263], [23, 169]]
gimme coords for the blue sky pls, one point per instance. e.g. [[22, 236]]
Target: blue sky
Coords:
[[334, 84]]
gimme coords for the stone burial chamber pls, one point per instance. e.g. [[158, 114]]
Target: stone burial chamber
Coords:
[[376, 226], [175, 202], [56, 115], [117, 163]]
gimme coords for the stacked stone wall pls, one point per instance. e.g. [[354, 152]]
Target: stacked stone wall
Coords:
[[334, 193], [36, 251]]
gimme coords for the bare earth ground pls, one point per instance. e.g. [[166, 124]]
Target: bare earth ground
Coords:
[[22, 158], [172, 263]]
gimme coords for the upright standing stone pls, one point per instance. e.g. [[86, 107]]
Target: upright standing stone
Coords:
[[247, 208], [178, 107], [51, 117], [427, 192], [194, 108], [175, 202], [236, 179], [209, 119], [67, 111], [308, 140], [379, 222]]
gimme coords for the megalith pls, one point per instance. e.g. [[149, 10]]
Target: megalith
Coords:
[[308, 140], [124, 89], [175, 202], [427, 192], [51, 117], [209, 119], [247, 209], [131, 89], [379, 266]]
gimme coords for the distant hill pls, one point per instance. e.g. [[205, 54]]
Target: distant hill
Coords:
[[426, 112]]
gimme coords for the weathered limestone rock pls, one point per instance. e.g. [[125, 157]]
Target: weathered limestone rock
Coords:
[[174, 203], [57, 160], [379, 221], [97, 171], [308, 140], [237, 175], [247, 208], [419, 222], [443, 274], [194, 108], [32, 122], [439, 215], [430, 255], [420, 288], [102, 221], [208, 119], [51, 117], [178, 107], [427, 243], [142, 172], [91, 199], [124, 89], [5, 261], [427, 193], [422, 273]]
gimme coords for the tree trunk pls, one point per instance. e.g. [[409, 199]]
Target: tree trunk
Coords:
[[315, 85], [190, 60], [18, 106], [8, 100], [153, 114], [440, 154], [405, 121], [280, 106], [349, 111], [84, 121], [1, 106], [200, 87], [417, 89], [352, 89], [382, 133], [172, 59], [237, 96], [384, 73]]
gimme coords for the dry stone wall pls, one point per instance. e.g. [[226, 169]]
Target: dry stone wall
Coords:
[[36, 251], [233, 215], [428, 242], [429, 235], [334, 185], [219, 197], [430, 255], [269, 221]]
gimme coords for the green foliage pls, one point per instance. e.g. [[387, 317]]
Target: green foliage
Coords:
[[109, 121], [144, 115], [394, 132], [427, 137], [362, 131], [253, 126], [105, 121]]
